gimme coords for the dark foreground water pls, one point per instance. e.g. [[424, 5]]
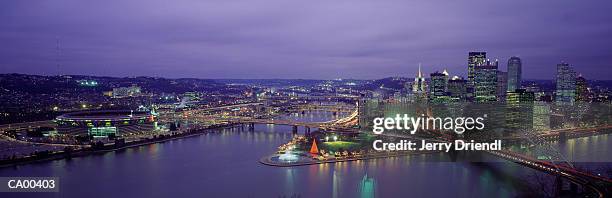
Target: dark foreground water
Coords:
[[225, 164]]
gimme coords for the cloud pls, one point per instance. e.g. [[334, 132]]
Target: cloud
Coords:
[[299, 39]]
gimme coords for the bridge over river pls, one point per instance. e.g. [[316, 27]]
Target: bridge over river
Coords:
[[601, 185]]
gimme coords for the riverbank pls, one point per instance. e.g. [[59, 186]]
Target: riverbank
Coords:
[[67, 154]]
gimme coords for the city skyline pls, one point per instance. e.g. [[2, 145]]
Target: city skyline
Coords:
[[408, 76], [326, 40], [150, 98]]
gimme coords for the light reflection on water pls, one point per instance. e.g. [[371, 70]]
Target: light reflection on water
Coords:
[[225, 164]]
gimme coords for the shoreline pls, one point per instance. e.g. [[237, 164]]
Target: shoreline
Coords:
[[90, 151], [197, 132]]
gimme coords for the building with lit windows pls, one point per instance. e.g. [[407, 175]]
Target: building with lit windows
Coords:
[[541, 116], [130, 91], [438, 87], [457, 89], [566, 84], [519, 110], [105, 123], [515, 71], [474, 59], [502, 85], [485, 82], [582, 89], [419, 86]]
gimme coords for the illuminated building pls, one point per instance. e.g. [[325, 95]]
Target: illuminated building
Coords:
[[419, 87], [474, 59], [519, 110], [582, 89], [485, 82], [105, 123], [108, 93], [130, 91], [438, 88], [502, 85], [457, 89], [541, 116], [566, 84], [514, 73]]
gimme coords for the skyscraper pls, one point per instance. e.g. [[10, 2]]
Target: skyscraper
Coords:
[[566, 84], [474, 59], [457, 89], [419, 87], [438, 88], [519, 112], [514, 73], [541, 116], [582, 89], [502, 85], [485, 82]]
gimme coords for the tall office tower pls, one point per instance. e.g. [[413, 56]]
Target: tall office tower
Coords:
[[566, 84], [457, 89], [582, 89], [519, 110], [541, 116], [419, 86], [514, 73], [474, 59], [446, 78], [502, 85], [438, 87], [485, 82]]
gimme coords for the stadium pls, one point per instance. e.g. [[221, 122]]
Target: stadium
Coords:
[[105, 123]]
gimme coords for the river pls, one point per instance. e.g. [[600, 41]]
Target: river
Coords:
[[225, 164]]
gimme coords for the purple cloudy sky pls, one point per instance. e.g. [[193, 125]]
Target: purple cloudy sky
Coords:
[[324, 39]]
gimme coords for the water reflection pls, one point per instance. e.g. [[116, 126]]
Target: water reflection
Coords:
[[225, 164]]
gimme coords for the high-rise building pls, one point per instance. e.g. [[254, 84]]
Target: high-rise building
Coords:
[[519, 111], [457, 89], [438, 87], [502, 85], [475, 59], [485, 82], [514, 73], [582, 89], [419, 87], [541, 116], [520, 96], [446, 76], [566, 84]]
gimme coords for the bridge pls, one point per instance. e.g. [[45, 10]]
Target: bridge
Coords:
[[563, 134], [601, 185], [315, 107], [331, 98], [344, 124]]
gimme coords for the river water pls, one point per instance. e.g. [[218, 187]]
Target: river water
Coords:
[[225, 164]]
